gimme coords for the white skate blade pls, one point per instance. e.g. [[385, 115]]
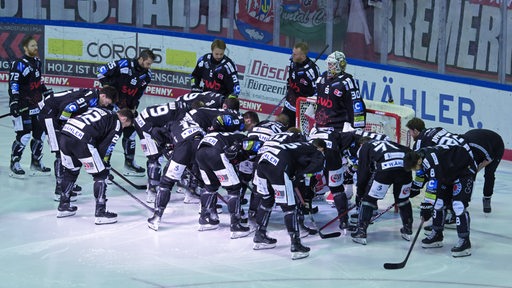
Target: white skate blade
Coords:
[[154, 226], [406, 237], [17, 176], [241, 234], [299, 255], [104, 220], [437, 244], [262, 246], [207, 227], [62, 214], [361, 241], [464, 253]]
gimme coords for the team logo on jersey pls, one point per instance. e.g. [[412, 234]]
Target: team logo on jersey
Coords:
[[223, 178], [88, 165], [220, 76], [457, 188], [337, 92], [133, 81]]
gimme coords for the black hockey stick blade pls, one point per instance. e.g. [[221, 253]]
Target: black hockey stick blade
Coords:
[[131, 195], [393, 266], [329, 235], [5, 115], [138, 187]]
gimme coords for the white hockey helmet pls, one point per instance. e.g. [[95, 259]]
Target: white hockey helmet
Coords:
[[336, 63]]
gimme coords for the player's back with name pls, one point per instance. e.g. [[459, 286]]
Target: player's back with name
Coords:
[[220, 140], [264, 130], [380, 155], [93, 126]]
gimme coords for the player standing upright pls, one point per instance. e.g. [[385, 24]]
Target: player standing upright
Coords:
[[130, 77], [217, 72], [302, 75], [26, 90], [339, 104]]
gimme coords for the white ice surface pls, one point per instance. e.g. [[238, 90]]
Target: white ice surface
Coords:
[[39, 250]]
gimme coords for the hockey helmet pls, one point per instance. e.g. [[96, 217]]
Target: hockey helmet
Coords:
[[336, 63]]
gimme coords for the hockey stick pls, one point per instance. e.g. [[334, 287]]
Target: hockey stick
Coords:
[[334, 234], [131, 195], [402, 264], [282, 100], [382, 212], [138, 187], [10, 114]]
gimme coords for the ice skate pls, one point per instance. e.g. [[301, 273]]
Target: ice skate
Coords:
[[298, 250], [406, 232], [462, 248], [38, 169], [207, 221], [434, 240], [262, 241], [102, 216], [66, 210], [486, 201], [359, 236], [154, 222], [77, 189], [239, 231], [132, 169], [16, 170]]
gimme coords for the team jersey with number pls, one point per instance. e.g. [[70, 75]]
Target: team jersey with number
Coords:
[[159, 115], [128, 77], [209, 99], [66, 104]]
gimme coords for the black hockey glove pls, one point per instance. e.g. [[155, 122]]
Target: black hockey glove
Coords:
[[14, 108], [426, 211]]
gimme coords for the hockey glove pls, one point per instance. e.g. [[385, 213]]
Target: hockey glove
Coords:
[[426, 210], [14, 108]]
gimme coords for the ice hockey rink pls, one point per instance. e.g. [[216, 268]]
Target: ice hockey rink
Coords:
[[39, 250]]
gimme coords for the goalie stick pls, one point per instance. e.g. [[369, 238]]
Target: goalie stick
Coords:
[[138, 187], [111, 178], [282, 100], [400, 265]]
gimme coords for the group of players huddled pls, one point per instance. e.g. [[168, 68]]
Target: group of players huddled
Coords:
[[204, 143]]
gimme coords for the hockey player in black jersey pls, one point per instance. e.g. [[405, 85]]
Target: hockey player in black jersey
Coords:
[[301, 82], [339, 104], [488, 149], [425, 137], [57, 108], [278, 166], [184, 137], [204, 117], [216, 156], [454, 168], [380, 165], [88, 140], [207, 99], [130, 77], [149, 119], [26, 89], [263, 131], [217, 72]]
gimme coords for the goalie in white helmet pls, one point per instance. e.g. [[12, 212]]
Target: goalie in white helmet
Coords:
[[339, 104]]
